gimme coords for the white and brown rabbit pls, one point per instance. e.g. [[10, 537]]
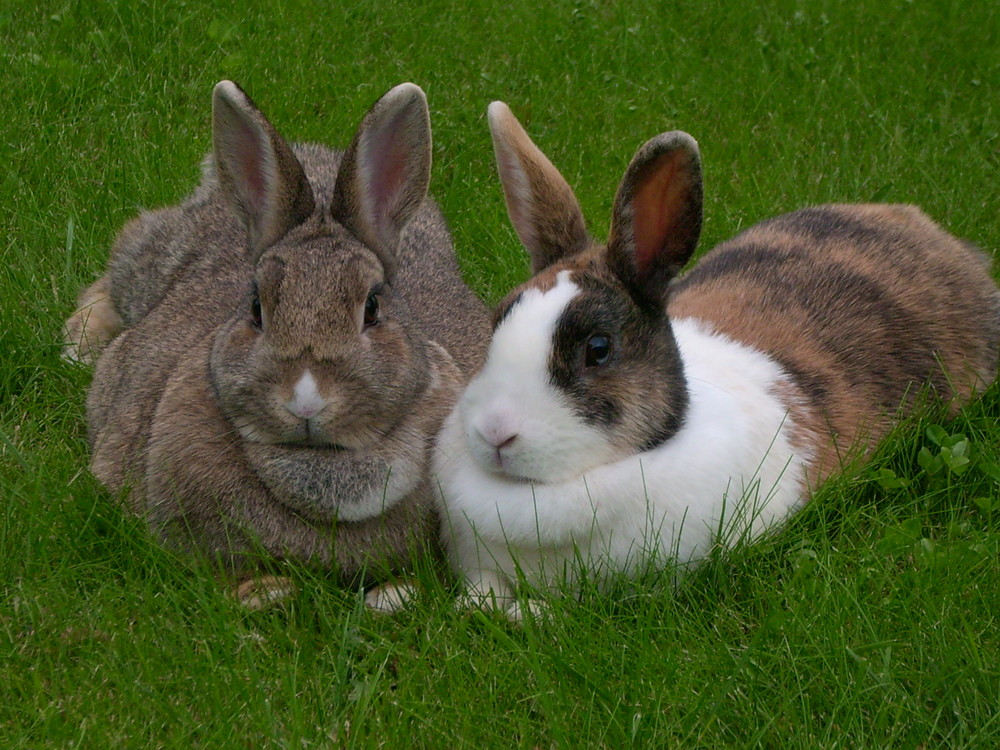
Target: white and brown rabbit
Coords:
[[622, 418], [293, 334]]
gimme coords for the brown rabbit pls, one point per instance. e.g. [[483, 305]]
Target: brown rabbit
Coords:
[[291, 337]]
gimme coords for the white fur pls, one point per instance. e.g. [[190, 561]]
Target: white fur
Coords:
[[726, 476], [306, 401], [512, 396]]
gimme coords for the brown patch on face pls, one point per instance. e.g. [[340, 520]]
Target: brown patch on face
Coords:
[[638, 396], [861, 305]]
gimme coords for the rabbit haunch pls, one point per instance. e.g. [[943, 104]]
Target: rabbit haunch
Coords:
[[623, 417], [864, 306]]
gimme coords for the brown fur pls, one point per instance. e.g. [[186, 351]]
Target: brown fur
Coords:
[[639, 397], [175, 396], [93, 324], [551, 224], [862, 305]]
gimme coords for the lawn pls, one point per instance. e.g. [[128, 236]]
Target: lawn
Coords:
[[870, 620]]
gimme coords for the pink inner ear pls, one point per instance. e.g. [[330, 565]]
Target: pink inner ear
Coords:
[[250, 165], [657, 205], [388, 175], [387, 152]]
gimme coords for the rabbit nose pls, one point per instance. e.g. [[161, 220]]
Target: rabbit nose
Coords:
[[306, 401], [497, 434], [505, 442]]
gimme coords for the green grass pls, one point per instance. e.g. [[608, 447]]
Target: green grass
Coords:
[[871, 620]]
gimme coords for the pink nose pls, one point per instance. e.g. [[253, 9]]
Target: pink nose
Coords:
[[304, 411], [497, 431], [503, 442], [498, 439]]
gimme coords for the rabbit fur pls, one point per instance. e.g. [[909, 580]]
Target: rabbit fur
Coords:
[[625, 419], [284, 345]]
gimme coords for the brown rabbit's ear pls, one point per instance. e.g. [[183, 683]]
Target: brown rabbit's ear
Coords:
[[257, 169], [656, 219], [384, 175], [540, 203]]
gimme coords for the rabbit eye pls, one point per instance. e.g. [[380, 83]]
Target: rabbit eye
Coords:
[[256, 314], [597, 351], [371, 309]]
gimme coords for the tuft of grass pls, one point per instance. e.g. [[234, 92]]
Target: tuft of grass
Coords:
[[868, 621]]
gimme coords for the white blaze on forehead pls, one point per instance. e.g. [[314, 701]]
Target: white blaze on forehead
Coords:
[[512, 390], [306, 400], [522, 343]]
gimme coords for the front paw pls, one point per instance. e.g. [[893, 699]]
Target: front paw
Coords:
[[512, 609], [263, 592], [389, 598], [486, 590], [533, 609]]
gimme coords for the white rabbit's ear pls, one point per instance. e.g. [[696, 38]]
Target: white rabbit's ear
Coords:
[[540, 203], [384, 175], [656, 219], [257, 169]]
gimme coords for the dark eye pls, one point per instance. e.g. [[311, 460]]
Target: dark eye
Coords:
[[256, 316], [597, 351], [371, 309]]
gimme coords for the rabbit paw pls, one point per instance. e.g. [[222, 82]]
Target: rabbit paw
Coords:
[[389, 598], [266, 591], [534, 609]]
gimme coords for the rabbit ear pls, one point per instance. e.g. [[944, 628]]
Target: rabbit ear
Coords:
[[258, 171], [540, 203], [384, 175], [656, 219]]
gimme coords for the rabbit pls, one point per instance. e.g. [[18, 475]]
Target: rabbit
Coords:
[[627, 418], [280, 349]]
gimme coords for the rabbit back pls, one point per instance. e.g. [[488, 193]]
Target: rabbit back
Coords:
[[169, 303], [862, 305]]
